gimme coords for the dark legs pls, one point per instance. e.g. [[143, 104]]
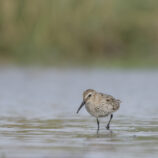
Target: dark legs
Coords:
[[108, 125], [98, 125]]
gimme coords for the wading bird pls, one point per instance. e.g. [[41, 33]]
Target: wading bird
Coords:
[[99, 105]]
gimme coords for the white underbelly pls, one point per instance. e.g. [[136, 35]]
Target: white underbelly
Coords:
[[96, 111]]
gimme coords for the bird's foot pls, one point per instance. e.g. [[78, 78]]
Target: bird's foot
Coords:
[[107, 127], [97, 132]]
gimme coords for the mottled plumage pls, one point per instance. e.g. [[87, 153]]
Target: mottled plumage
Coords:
[[99, 104]]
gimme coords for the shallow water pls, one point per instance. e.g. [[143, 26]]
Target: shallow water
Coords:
[[38, 114]]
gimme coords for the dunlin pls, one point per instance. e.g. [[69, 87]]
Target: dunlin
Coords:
[[99, 105]]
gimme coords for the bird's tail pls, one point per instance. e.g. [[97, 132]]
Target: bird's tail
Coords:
[[117, 105]]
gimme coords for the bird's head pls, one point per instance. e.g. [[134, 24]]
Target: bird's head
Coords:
[[87, 96]]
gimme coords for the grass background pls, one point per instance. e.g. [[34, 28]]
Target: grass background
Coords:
[[115, 33]]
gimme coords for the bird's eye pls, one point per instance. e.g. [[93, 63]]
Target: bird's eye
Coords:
[[89, 95]]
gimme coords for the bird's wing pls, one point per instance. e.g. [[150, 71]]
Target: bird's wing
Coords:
[[110, 101], [107, 97]]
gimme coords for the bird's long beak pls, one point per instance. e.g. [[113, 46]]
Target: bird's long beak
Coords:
[[82, 104]]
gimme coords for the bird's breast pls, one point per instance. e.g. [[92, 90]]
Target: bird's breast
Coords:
[[90, 108], [97, 110]]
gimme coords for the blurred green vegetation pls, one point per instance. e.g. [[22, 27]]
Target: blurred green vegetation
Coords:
[[82, 32]]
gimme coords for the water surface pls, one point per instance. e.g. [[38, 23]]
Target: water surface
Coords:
[[38, 114]]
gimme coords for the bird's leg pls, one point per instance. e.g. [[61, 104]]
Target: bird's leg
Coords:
[[98, 125], [108, 125]]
